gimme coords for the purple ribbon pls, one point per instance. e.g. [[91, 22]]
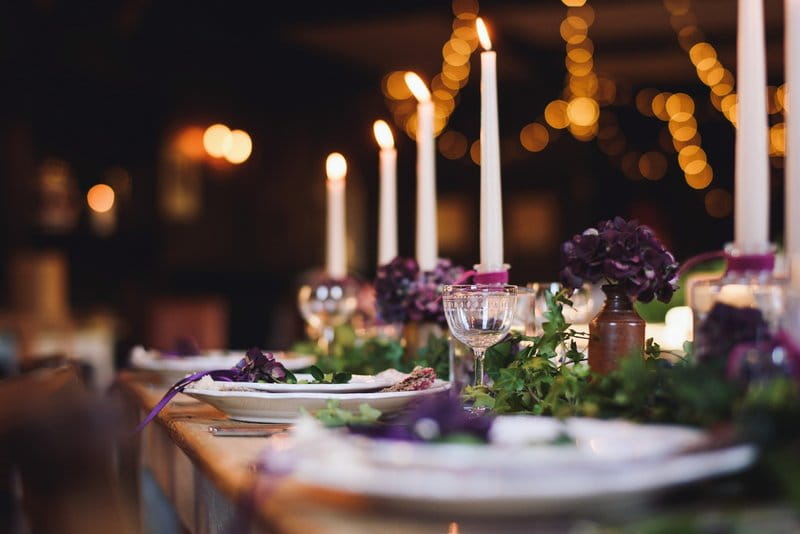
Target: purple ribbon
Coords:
[[225, 375], [735, 264], [495, 278], [750, 262]]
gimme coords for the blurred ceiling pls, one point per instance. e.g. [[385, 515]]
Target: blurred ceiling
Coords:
[[634, 40]]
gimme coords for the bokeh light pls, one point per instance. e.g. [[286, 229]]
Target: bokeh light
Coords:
[[659, 106], [644, 99], [100, 198], [475, 152], [453, 144], [534, 137], [702, 179], [679, 107], [189, 142], [556, 114], [240, 148], [777, 139], [653, 165], [217, 140], [630, 166], [395, 86], [583, 111]]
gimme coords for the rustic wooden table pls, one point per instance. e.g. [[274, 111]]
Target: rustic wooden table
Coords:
[[208, 479]]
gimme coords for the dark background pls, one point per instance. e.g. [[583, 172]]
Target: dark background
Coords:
[[107, 84]]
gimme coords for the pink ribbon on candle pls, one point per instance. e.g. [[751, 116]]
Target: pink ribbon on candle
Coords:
[[494, 278], [735, 263], [750, 262]]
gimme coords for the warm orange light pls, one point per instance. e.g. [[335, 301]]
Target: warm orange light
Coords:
[[475, 152], [189, 142], [417, 86], [241, 147], [100, 198], [483, 34], [534, 137], [383, 134], [335, 167], [556, 114], [583, 111], [217, 140], [395, 86], [452, 144]]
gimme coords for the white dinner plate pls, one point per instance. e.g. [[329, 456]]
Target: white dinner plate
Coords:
[[357, 383], [170, 370], [268, 407], [609, 463]]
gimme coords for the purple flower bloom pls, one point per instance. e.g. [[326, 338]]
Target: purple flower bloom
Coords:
[[727, 326], [392, 287], [403, 293], [435, 418], [259, 366], [624, 253]]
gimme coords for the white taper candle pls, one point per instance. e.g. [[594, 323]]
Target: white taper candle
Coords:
[[336, 244], [751, 208], [491, 222], [427, 237], [387, 209]]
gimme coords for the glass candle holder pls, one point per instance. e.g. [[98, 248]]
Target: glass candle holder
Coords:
[[744, 305]]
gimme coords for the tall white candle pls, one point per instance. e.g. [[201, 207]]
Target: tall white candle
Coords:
[[336, 246], [427, 237], [491, 225], [387, 215], [751, 209], [792, 174]]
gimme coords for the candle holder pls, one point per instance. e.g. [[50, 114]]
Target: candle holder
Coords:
[[744, 305], [326, 303]]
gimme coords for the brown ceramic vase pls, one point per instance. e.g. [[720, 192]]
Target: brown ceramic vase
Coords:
[[617, 331]]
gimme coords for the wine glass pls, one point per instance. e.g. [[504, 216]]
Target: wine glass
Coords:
[[479, 316], [325, 304]]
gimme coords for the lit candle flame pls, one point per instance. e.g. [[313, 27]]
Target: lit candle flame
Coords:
[[417, 86], [383, 134], [483, 34], [335, 167]]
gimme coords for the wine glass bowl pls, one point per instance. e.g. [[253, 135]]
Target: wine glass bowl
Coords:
[[479, 316], [325, 304]]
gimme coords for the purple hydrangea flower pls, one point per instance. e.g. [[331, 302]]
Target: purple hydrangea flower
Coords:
[[624, 253], [403, 293], [259, 366], [392, 287], [727, 326]]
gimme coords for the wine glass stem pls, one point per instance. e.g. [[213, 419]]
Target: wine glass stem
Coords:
[[478, 366], [328, 335]]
